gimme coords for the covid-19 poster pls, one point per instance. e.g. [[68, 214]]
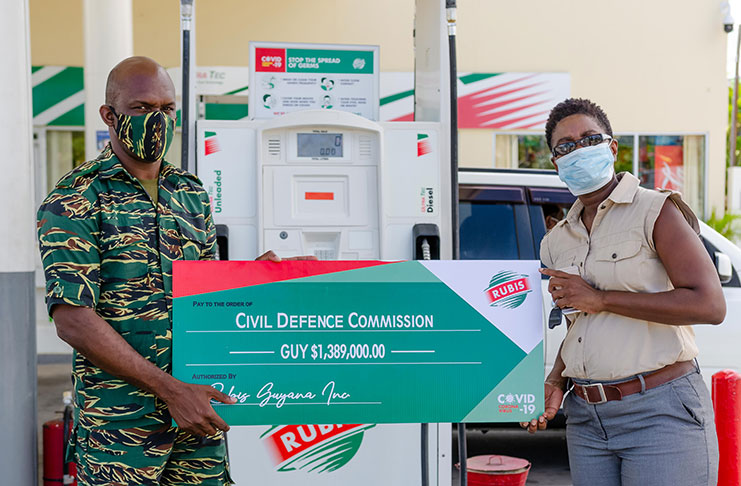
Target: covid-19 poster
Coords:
[[292, 77]]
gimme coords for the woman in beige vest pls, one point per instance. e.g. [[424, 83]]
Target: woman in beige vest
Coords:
[[629, 261]]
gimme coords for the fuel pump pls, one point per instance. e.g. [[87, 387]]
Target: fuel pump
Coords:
[[340, 187], [325, 183]]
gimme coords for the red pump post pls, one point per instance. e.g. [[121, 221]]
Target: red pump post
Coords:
[[727, 407]]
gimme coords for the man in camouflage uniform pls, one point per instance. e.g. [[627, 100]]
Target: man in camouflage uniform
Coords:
[[109, 232]]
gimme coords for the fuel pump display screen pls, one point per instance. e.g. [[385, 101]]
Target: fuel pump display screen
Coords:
[[320, 145]]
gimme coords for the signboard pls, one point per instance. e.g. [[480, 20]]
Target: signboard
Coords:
[[495, 101], [102, 137], [669, 167], [214, 80], [291, 77], [341, 342]]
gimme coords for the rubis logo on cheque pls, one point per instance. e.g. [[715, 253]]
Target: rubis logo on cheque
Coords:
[[314, 448], [508, 289]]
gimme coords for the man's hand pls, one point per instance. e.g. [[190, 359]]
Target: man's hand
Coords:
[[190, 407], [89, 334], [553, 399], [569, 290], [272, 257]]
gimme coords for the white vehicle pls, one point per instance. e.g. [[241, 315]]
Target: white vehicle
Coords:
[[503, 216]]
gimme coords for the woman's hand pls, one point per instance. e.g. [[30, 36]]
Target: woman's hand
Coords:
[[553, 399], [271, 256], [569, 290]]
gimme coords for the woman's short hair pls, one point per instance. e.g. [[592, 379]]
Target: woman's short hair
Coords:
[[575, 106]]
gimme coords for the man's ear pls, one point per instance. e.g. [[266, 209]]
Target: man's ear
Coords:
[[107, 116]]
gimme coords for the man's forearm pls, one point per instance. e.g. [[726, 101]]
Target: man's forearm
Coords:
[[88, 333]]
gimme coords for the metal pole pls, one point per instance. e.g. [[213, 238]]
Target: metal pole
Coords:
[[18, 253], [425, 453], [450, 10], [734, 106], [186, 22], [463, 453]]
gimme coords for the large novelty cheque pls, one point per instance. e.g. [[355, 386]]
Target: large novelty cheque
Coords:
[[362, 342]]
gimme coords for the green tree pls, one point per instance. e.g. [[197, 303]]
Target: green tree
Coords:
[[725, 225], [738, 127]]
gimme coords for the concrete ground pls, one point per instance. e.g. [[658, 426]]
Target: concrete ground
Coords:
[[545, 450]]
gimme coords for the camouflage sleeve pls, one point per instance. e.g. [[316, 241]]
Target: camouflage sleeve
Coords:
[[209, 250], [68, 241]]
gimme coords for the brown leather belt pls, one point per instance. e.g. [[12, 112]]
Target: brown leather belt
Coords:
[[597, 393]]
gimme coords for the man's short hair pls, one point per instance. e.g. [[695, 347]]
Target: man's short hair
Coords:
[[118, 74], [111, 90], [575, 106]]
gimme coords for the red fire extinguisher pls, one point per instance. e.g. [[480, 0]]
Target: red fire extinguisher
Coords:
[[56, 435]]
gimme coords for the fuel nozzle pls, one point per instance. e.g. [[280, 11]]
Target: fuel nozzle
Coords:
[[426, 240]]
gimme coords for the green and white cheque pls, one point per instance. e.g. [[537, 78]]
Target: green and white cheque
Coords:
[[310, 342]]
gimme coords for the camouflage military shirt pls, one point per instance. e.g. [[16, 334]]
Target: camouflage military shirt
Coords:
[[104, 245]]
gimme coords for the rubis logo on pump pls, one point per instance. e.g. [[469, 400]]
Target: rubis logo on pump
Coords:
[[270, 60], [423, 144], [313, 448], [211, 145], [508, 289]]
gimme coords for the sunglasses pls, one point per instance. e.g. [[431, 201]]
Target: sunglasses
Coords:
[[567, 147], [556, 316]]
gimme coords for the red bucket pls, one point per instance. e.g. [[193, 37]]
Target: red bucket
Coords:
[[497, 471]]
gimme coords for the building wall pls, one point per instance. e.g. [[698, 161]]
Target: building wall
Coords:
[[224, 28], [56, 33], [655, 67]]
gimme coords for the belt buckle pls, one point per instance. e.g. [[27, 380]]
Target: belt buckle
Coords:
[[603, 397]]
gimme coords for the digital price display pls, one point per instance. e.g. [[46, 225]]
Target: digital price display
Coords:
[[320, 145]]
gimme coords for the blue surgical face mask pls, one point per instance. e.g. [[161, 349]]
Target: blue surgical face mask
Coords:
[[587, 169]]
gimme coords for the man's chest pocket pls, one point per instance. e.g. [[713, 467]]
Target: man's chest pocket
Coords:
[[617, 265], [192, 236], [124, 248]]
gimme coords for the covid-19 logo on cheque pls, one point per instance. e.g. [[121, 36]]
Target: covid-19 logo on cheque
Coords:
[[313, 448], [508, 289]]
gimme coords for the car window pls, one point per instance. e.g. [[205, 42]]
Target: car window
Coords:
[[508, 222], [488, 231]]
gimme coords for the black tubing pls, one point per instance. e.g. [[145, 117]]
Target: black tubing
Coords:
[[185, 105], [453, 138], [463, 453], [450, 4], [425, 448], [67, 419]]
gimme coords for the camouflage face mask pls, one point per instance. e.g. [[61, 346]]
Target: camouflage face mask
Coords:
[[147, 136]]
